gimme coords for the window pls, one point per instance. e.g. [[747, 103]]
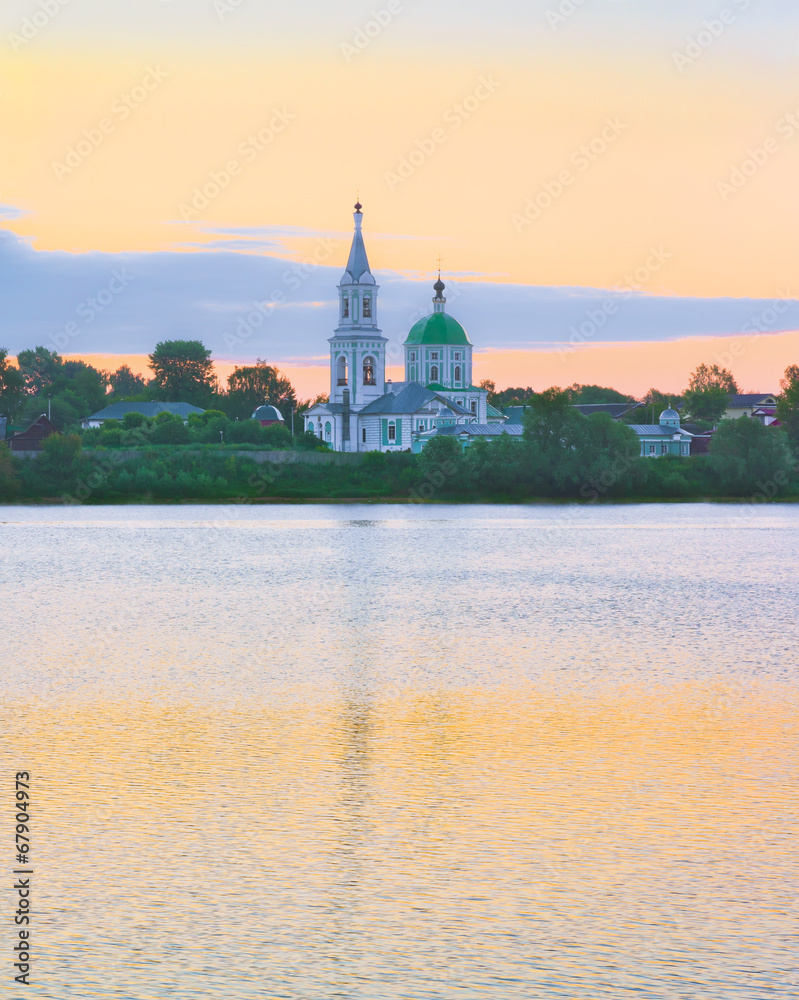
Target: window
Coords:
[[434, 356], [474, 406], [363, 435], [651, 449], [345, 307], [367, 307], [392, 431], [457, 373], [685, 449], [341, 368], [457, 356], [434, 373], [413, 356], [368, 367], [421, 425], [664, 449]]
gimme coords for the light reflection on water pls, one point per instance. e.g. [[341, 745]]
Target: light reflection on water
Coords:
[[407, 752]]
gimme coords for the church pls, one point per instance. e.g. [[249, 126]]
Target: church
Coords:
[[367, 413]]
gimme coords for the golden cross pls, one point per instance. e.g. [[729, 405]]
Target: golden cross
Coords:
[[440, 259]]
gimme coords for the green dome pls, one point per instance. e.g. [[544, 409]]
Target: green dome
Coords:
[[438, 328]]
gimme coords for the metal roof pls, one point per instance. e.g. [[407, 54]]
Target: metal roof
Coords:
[[411, 398], [749, 399], [116, 411], [480, 430], [655, 430]]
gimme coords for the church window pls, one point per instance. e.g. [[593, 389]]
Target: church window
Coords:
[[392, 431], [421, 425], [664, 449], [413, 356], [345, 307], [434, 373], [368, 369], [434, 356], [457, 373], [341, 368], [367, 307], [474, 406], [457, 356], [327, 430], [363, 435]]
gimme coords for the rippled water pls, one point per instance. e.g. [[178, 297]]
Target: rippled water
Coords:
[[406, 752]]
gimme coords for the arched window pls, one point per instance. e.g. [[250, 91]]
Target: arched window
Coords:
[[434, 373], [341, 368], [367, 307], [327, 430], [345, 307], [368, 366], [457, 373]]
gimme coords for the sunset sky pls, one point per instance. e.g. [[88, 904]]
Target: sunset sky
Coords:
[[611, 184]]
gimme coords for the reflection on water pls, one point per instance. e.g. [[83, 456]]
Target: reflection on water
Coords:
[[314, 752]]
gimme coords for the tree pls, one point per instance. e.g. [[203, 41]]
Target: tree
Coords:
[[40, 368], [250, 386], [706, 405], [788, 403], [12, 386], [9, 481], [126, 382], [549, 418], [440, 464], [183, 371], [597, 394], [706, 377], [749, 458]]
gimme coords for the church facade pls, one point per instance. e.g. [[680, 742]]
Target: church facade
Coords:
[[367, 412]]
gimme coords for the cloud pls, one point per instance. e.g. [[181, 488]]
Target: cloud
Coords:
[[125, 303]]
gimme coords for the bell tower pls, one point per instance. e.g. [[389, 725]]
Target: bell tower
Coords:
[[357, 348]]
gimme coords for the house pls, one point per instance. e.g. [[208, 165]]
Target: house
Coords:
[[368, 412], [117, 411], [742, 404], [664, 438], [466, 433], [32, 438]]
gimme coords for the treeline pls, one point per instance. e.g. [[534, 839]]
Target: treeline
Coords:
[[182, 371], [212, 427], [561, 455]]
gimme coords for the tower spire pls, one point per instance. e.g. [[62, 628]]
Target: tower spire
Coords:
[[358, 263]]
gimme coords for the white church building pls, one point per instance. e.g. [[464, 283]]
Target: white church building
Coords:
[[367, 413]]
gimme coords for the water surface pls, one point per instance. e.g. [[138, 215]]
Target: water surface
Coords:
[[380, 751]]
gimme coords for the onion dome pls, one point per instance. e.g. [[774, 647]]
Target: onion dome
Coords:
[[267, 412]]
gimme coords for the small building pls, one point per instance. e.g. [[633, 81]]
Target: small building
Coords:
[[32, 438], [743, 404], [466, 433], [664, 438], [267, 415], [117, 411]]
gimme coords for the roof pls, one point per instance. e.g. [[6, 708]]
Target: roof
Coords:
[[116, 411], [267, 412], [358, 263], [655, 430], [409, 399], [737, 400], [478, 430], [492, 411], [669, 414], [438, 328]]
